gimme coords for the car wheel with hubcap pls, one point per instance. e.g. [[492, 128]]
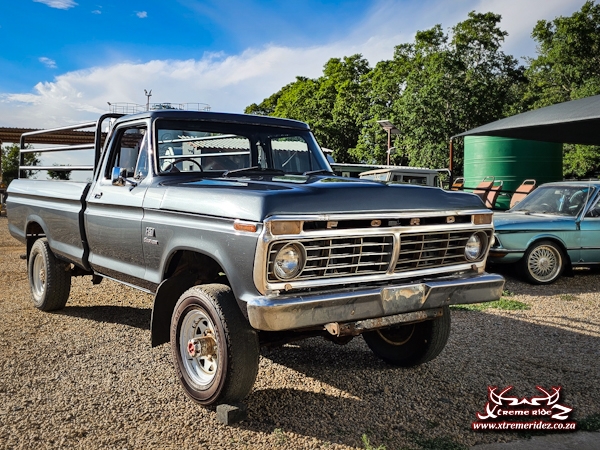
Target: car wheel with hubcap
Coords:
[[412, 344], [543, 262], [215, 350], [49, 278]]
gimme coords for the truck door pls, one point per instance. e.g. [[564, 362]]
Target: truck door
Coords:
[[114, 213]]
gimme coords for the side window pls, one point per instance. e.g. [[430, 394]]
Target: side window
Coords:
[[416, 179], [130, 152], [594, 211], [291, 154]]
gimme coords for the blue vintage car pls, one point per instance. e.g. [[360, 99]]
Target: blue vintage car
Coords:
[[553, 229]]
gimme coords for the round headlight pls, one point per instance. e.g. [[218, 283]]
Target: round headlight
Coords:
[[475, 246], [289, 261]]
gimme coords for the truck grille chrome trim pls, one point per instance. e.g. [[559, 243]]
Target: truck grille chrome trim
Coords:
[[367, 255], [341, 256], [427, 250]]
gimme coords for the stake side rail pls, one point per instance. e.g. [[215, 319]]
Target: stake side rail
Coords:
[[95, 144]]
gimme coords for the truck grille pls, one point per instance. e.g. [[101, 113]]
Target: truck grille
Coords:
[[430, 250], [368, 255], [337, 257]]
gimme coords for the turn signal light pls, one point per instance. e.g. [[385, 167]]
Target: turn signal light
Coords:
[[245, 226], [286, 227], [482, 219]]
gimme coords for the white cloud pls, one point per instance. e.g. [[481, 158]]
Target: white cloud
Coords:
[[519, 17], [58, 4], [96, 11], [50, 63], [141, 14], [232, 82]]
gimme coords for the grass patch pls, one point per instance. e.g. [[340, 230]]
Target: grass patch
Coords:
[[568, 297], [589, 423], [279, 435], [503, 303], [368, 445]]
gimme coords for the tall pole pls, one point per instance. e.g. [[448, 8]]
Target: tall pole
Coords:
[[389, 131], [451, 155], [148, 95], [390, 128]]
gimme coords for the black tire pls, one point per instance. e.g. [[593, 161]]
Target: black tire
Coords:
[[543, 263], [412, 344], [228, 376], [49, 278]]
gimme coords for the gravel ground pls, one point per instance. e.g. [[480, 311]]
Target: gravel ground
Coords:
[[86, 377]]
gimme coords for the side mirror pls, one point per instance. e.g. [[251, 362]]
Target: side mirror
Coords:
[[118, 176]]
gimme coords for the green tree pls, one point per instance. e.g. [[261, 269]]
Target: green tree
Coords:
[[335, 105], [454, 84], [438, 86], [10, 162], [567, 67], [387, 82], [433, 88]]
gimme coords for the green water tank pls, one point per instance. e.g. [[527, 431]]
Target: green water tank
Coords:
[[511, 161]]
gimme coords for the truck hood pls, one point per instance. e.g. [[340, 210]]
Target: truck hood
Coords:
[[256, 198], [507, 222]]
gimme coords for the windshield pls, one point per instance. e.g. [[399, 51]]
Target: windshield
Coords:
[[213, 148], [557, 200]]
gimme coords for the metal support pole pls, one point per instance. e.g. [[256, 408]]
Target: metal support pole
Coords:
[[450, 166], [148, 94], [389, 132]]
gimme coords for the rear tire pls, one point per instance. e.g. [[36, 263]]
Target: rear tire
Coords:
[[413, 344], [49, 278], [227, 374]]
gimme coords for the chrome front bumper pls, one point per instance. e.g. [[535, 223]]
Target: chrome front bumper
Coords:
[[302, 311]]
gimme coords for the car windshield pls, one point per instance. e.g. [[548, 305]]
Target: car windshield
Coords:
[[235, 149], [557, 200]]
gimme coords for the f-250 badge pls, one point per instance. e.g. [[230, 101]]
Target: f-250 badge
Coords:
[[150, 233]]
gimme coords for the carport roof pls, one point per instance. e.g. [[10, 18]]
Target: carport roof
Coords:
[[64, 137], [573, 122]]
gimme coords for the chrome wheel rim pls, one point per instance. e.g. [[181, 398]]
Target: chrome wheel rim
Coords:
[[201, 370], [544, 263], [38, 276]]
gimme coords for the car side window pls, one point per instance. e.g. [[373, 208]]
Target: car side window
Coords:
[[594, 211], [130, 153]]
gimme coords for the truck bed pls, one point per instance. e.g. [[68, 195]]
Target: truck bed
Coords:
[[55, 205]]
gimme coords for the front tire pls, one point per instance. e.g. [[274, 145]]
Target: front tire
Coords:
[[215, 350], [49, 278], [413, 344], [543, 263]]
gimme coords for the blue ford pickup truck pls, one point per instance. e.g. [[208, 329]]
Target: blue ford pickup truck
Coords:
[[244, 236]]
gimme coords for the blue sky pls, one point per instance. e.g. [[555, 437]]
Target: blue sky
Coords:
[[63, 60]]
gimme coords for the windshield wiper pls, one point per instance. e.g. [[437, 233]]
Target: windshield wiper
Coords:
[[257, 169], [314, 172]]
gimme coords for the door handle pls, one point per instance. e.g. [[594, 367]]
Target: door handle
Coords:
[[98, 195]]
